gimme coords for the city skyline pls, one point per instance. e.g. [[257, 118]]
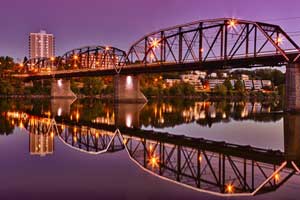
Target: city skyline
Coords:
[[100, 22]]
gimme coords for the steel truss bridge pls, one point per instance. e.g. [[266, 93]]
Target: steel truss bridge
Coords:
[[201, 45], [212, 167]]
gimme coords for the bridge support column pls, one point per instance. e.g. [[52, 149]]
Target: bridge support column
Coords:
[[292, 136], [127, 89], [292, 88], [61, 89], [128, 114]]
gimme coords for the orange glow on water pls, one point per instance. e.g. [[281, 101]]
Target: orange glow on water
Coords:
[[153, 161], [277, 177]]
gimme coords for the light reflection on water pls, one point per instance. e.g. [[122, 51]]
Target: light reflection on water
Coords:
[[257, 125]]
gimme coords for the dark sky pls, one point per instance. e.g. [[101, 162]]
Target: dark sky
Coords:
[[119, 23]]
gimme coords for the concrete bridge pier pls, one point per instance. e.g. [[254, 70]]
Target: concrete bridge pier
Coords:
[[61, 107], [128, 114], [61, 89], [292, 137], [127, 89], [292, 88]]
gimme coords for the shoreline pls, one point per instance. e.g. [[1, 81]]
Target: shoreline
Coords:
[[164, 97]]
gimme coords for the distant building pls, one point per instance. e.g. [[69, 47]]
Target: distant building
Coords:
[[171, 82], [41, 45], [233, 81], [202, 75], [214, 82], [41, 144], [192, 79], [248, 84], [213, 75], [257, 85], [244, 77], [224, 75], [266, 83]]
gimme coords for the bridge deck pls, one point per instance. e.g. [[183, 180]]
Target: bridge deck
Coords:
[[242, 62]]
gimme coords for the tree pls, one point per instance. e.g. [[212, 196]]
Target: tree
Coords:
[[6, 63], [228, 85], [239, 86], [220, 89], [25, 60], [6, 87], [92, 86]]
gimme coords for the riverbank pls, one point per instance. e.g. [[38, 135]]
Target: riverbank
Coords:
[[200, 96]]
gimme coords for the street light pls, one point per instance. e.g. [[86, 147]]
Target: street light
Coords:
[[75, 57], [154, 43], [232, 23], [279, 40]]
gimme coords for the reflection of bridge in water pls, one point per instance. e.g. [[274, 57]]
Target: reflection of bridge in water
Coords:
[[214, 167], [168, 114]]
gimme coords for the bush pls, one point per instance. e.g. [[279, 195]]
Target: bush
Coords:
[[221, 89]]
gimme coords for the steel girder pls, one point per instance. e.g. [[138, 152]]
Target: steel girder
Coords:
[[223, 39], [93, 57]]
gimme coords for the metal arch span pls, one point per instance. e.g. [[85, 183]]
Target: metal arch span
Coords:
[[35, 65], [224, 39], [83, 58], [91, 57]]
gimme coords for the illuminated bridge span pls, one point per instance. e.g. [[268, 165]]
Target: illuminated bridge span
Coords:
[[202, 45], [217, 168]]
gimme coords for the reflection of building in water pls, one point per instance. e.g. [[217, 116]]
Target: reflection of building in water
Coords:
[[109, 119], [204, 110], [41, 144]]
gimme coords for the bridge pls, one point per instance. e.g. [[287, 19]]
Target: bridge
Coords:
[[202, 45], [217, 168]]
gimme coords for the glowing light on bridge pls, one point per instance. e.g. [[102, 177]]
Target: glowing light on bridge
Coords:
[[75, 57], [154, 43], [152, 57], [279, 40], [150, 148], [200, 158], [52, 59], [107, 48], [232, 23], [230, 188]]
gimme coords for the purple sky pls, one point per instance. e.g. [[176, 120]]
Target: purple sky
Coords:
[[119, 23]]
